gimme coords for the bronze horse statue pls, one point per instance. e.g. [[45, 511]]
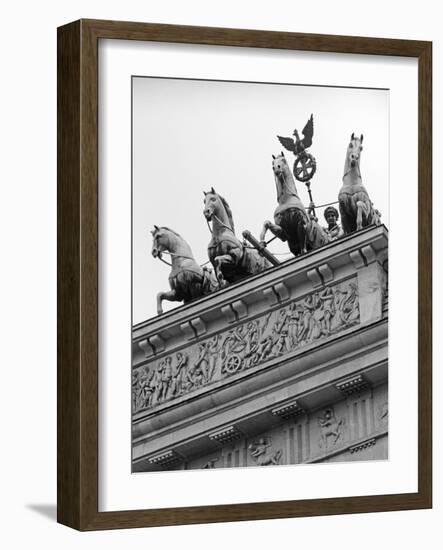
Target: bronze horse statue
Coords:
[[292, 223], [187, 279], [356, 209], [232, 259]]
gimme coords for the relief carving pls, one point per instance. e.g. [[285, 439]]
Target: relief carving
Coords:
[[263, 454], [383, 414], [210, 464], [331, 429], [317, 315]]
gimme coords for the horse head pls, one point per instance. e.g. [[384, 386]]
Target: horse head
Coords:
[[162, 238], [284, 179], [353, 152], [280, 166], [216, 208]]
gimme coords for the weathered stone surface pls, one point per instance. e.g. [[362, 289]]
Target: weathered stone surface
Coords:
[[315, 317], [288, 367], [313, 436]]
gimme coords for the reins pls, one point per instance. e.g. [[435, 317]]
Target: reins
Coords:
[[178, 256], [230, 228], [220, 222], [172, 254]]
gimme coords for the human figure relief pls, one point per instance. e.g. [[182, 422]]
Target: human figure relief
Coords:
[[158, 383], [331, 428], [308, 307], [294, 324], [326, 298], [178, 374]]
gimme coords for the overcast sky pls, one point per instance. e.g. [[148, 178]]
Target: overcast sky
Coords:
[[189, 135]]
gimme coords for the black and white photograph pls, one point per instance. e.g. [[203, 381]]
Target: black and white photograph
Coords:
[[220, 287], [260, 216]]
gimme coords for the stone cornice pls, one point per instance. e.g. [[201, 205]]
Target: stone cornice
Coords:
[[271, 287], [352, 385], [263, 352], [353, 447], [263, 392]]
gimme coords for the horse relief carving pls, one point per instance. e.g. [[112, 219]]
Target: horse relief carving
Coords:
[[317, 315], [356, 208], [210, 464], [263, 453]]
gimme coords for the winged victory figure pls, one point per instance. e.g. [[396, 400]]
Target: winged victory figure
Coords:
[[305, 164], [299, 145]]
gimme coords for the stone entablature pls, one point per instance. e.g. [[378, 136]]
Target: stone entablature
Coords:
[[202, 344], [261, 353], [316, 316], [327, 265], [349, 429]]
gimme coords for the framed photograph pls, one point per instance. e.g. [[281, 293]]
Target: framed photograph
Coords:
[[244, 274]]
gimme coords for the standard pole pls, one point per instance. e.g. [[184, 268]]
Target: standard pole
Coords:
[[265, 253]]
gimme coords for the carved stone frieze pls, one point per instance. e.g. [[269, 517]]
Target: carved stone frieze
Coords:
[[383, 414], [263, 453], [291, 326], [210, 464], [331, 428]]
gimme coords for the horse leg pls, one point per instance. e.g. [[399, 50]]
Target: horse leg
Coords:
[[359, 220], [219, 261], [346, 221], [275, 230], [300, 238], [362, 214], [169, 295]]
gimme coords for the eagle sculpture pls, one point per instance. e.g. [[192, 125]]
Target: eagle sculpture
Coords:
[[299, 145]]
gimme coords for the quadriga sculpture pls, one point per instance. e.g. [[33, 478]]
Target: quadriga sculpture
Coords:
[[356, 209], [232, 259], [187, 279], [292, 223]]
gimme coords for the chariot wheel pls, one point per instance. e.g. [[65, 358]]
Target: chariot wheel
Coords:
[[232, 364], [305, 166]]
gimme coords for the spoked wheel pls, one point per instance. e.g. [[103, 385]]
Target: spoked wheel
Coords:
[[233, 364], [305, 166]]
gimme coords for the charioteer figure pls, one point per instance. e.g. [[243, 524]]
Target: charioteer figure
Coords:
[[334, 229]]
